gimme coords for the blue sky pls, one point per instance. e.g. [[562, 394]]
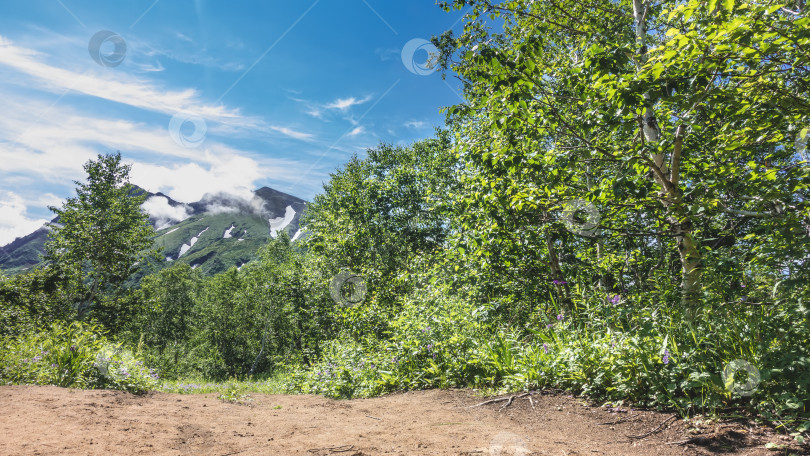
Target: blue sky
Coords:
[[203, 96]]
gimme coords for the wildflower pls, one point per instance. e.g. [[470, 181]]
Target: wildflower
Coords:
[[430, 346], [559, 317], [558, 282], [666, 356], [53, 365], [545, 348], [434, 356], [549, 325], [73, 348], [615, 299]]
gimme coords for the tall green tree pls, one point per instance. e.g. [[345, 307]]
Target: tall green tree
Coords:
[[101, 237], [379, 214], [678, 121]]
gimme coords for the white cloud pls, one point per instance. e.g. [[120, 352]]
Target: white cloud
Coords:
[[14, 220], [416, 124], [163, 213], [343, 104], [356, 131], [292, 133], [189, 182], [125, 89]]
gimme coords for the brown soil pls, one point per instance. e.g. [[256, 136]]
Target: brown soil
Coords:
[[46, 420]]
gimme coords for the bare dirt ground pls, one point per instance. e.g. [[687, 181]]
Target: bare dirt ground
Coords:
[[47, 420]]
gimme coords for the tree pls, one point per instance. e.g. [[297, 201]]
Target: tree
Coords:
[[677, 120], [378, 215], [102, 235]]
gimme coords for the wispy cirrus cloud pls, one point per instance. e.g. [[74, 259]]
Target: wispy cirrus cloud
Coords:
[[128, 90], [356, 131], [343, 104], [415, 124]]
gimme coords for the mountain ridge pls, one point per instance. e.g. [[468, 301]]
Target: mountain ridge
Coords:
[[181, 229]]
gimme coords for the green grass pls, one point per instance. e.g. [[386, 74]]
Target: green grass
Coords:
[[275, 384]]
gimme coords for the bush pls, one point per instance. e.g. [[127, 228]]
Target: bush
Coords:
[[72, 355]]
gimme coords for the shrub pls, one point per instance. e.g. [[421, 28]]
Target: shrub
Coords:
[[72, 355]]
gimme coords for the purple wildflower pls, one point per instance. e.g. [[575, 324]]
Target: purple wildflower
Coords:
[[615, 299], [558, 282], [545, 348], [666, 356], [73, 348], [559, 317], [549, 325]]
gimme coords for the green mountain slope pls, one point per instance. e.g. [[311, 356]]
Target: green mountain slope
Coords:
[[222, 232]]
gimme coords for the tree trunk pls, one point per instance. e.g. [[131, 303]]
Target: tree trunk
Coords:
[[556, 271], [85, 306], [670, 194]]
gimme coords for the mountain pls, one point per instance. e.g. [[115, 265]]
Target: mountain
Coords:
[[214, 234]]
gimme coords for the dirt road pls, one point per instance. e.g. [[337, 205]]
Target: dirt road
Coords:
[[46, 420]]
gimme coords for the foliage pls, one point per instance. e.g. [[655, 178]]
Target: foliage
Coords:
[[32, 300], [378, 216], [72, 355], [101, 236], [162, 318], [665, 125]]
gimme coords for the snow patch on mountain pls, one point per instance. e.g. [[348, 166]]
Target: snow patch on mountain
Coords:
[[228, 232], [279, 223], [185, 247], [297, 234]]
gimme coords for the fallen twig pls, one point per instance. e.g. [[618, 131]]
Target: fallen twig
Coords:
[[627, 418], [334, 449], [373, 417], [657, 429], [509, 399]]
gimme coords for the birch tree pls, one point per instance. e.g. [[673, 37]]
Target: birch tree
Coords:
[[102, 233], [680, 121]]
